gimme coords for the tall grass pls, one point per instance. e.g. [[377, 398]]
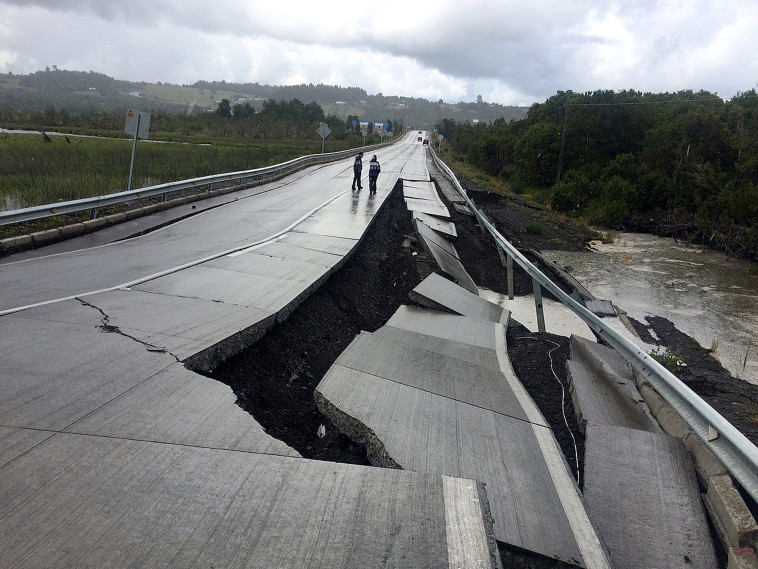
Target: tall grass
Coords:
[[35, 172]]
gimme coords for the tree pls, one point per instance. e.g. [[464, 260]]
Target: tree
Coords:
[[224, 108]]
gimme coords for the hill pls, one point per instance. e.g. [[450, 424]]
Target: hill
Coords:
[[80, 92]]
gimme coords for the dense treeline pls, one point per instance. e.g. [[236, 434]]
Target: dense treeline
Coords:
[[683, 164], [278, 120]]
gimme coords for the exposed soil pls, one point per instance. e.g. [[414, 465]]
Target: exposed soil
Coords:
[[734, 399]]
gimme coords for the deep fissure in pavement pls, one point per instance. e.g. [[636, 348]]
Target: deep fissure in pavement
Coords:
[[275, 378]]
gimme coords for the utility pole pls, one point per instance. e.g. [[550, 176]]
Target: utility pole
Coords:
[[563, 143]]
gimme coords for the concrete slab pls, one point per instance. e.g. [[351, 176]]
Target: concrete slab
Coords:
[[428, 207], [14, 442], [432, 371], [42, 390], [446, 256], [447, 189], [439, 241], [447, 326], [418, 419], [441, 292], [463, 350], [421, 191], [446, 228], [157, 313], [600, 307], [346, 217], [598, 401], [178, 406], [463, 208], [602, 358], [603, 389], [97, 502], [260, 263], [642, 494], [284, 248], [422, 431], [323, 243], [415, 170]]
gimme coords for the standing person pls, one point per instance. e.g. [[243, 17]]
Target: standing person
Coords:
[[373, 174], [357, 167]]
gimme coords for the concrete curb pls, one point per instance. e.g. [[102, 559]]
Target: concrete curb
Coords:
[[735, 525]]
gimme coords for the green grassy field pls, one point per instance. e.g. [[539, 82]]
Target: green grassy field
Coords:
[[203, 98], [35, 172]]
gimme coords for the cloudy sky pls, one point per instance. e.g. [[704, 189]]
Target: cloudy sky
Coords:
[[513, 52]]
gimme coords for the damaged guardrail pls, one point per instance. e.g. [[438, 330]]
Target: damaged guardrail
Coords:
[[735, 451], [95, 203]]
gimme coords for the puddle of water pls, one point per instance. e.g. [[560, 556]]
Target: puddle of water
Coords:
[[706, 295]]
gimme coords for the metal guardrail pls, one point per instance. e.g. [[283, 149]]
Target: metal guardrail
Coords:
[[93, 204], [735, 451]]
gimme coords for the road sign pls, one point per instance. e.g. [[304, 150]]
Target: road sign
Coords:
[[323, 130], [137, 121]]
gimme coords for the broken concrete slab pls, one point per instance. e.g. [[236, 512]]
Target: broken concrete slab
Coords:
[[421, 191], [642, 495], [428, 207], [442, 292], [603, 390], [446, 256], [448, 326], [446, 228], [431, 370], [414, 410], [422, 431], [598, 401], [600, 307]]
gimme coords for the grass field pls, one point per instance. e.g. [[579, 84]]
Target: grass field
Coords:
[[203, 98], [35, 172]]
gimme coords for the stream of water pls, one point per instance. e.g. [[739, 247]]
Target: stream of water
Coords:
[[705, 294]]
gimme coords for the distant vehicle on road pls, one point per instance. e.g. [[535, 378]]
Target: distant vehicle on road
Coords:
[[419, 132], [418, 139], [426, 141]]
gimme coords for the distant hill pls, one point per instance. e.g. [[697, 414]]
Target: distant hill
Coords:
[[81, 92]]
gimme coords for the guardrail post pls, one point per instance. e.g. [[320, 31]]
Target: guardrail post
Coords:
[[509, 273], [507, 262], [93, 213], [163, 197], [538, 305], [481, 223]]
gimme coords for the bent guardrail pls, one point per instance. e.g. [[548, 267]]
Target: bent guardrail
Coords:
[[94, 203], [735, 451]]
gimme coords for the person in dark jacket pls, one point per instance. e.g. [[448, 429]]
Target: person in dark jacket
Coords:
[[373, 174], [357, 167]]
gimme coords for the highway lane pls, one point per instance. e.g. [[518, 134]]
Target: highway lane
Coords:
[[256, 218]]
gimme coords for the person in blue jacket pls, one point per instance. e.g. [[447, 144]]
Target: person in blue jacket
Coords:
[[357, 167], [373, 174]]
